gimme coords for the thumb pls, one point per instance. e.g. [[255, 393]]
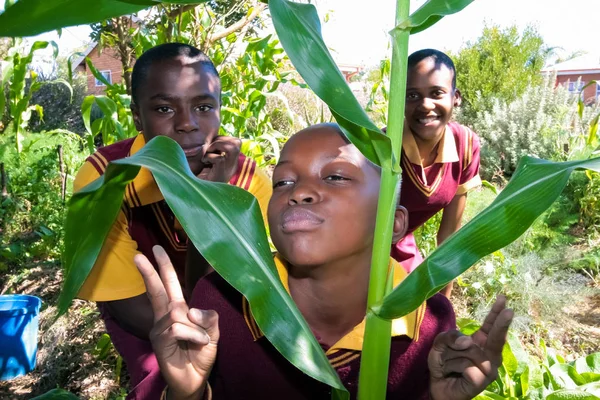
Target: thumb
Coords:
[[208, 320]]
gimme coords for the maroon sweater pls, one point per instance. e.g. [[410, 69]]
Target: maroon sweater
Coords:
[[249, 369]]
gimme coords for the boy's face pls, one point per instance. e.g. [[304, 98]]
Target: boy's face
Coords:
[[430, 99], [324, 199], [180, 99]]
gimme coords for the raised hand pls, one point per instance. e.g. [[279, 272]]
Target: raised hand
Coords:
[[463, 366], [221, 159], [184, 340]]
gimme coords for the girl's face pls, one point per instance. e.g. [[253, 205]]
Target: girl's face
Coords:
[[324, 199], [430, 99]]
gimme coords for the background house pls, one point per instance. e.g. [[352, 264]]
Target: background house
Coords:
[[583, 69], [107, 62]]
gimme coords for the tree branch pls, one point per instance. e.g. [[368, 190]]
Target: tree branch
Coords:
[[238, 25], [181, 10]]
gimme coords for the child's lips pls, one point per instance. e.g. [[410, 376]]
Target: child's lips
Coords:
[[296, 219], [192, 151], [427, 120]]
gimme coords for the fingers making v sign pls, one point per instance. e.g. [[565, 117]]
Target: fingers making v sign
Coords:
[[463, 366], [184, 339]]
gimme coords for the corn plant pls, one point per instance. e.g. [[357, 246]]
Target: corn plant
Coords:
[[23, 83], [239, 247]]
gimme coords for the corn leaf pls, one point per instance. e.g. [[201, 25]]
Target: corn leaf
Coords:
[[232, 238], [533, 188], [32, 17], [430, 13], [299, 29]]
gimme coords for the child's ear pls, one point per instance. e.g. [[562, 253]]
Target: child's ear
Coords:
[[457, 98], [400, 224], [136, 116]]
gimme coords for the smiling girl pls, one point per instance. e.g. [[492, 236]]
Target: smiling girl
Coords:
[[440, 158]]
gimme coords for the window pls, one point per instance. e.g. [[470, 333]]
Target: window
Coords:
[[106, 75], [575, 87]]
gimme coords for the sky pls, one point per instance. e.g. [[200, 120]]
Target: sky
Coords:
[[356, 30]]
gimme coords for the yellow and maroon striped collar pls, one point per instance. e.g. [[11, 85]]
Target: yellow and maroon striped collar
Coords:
[[408, 325], [447, 145], [143, 190]]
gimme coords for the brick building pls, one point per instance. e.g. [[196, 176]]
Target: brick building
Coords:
[[107, 62], [583, 69]]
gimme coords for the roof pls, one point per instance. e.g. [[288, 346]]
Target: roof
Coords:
[[583, 64], [83, 55]]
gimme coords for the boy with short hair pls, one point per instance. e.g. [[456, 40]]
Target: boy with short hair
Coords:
[[323, 188], [176, 92]]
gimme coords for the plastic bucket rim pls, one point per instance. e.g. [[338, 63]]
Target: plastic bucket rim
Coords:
[[33, 304]]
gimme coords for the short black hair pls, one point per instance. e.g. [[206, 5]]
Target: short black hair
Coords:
[[438, 57], [166, 51]]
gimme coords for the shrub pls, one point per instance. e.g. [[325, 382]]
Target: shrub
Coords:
[[541, 123], [31, 216], [60, 110]]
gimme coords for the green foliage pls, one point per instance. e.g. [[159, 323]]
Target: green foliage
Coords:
[[32, 215], [500, 64], [533, 188], [116, 122], [23, 83], [543, 122], [523, 376], [61, 107]]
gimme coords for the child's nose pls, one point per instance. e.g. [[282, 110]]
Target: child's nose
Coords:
[[302, 194], [427, 104], [186, 122]]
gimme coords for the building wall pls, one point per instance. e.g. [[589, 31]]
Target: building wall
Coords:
[[589, 94], [108, 60]]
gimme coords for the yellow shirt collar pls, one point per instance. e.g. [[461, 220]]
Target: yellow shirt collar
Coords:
[[447, 145], [143, 189], [408, 325]]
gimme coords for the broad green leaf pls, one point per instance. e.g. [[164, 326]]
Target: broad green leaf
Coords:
[[86, 111], [593, 361], [566, 377], [532, 189], [487, 395], [430, 13], [57, 394], [590, 376], [571, 395], [32, 17], [96, 73], [232, 238], [299, 29]]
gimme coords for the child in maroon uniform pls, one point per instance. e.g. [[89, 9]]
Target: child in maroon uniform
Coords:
[[176, 92], [440, 159], [323, 188]]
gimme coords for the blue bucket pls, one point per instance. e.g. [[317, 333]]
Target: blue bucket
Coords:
[[18, 334]]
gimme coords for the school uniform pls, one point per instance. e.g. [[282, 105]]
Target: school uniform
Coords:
[[249, 367], [426, 191], [145, 220]]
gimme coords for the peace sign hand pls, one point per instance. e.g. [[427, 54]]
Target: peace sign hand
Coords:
[[184, 340], [462, 366]]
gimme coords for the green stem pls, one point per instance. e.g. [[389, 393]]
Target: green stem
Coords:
[[376, 347]]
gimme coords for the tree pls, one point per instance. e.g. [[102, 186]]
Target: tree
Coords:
[[500, 64]]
